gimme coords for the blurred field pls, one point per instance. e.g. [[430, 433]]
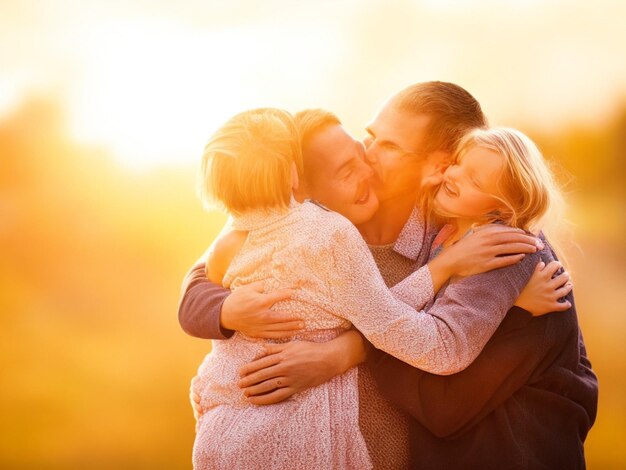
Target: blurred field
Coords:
[[95, 368]]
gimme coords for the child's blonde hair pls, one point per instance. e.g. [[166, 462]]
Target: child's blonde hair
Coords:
[[529, 194], [528, 190], [247, 163]]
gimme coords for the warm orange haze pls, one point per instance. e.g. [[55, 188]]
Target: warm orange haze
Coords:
[[104, 110]]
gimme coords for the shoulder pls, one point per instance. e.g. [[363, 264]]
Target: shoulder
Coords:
[[520, 273], [326, 228], [229, 243], [326, 219], [222, 252]]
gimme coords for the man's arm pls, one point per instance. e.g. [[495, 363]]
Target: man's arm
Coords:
[[201, 305], [449, 405], [296, 366]]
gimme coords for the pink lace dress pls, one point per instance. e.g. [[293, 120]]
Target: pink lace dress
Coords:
[[321, 255]]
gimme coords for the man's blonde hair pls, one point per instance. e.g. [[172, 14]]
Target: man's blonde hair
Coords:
[[247, 163], [453, 112]]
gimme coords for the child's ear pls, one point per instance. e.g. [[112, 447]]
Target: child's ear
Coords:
[[295, 180]]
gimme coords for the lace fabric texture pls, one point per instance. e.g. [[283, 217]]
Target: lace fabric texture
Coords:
[[337, 283]]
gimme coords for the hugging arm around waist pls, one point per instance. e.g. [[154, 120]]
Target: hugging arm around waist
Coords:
[[449, 405]]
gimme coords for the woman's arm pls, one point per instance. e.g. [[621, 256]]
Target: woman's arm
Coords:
[[447, 338], [489, 247]]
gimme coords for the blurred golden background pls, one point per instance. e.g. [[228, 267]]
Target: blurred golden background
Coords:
[[104, 109]]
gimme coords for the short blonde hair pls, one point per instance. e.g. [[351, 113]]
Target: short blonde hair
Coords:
[[310, 123], [453, 112], [247, 163]]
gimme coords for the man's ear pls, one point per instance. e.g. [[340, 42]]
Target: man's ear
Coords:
[[441, 160], [434, 167]]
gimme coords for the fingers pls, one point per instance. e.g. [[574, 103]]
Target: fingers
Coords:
[[515, 237], [561, 306], [555, 305], [259, 364], [265, 387], [276, 396], [563, 291], [279, 294], [257, 286], [551, 268], [261, 375], [195, 398], [271, 334], [494, 228], [290, 326], [503, 261], [255, 378], [514, 248], [560, 280], [540, 266], [275, 317], [499, 234], [270, 324]]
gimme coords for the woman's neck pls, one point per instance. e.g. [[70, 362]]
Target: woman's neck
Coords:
[[388, 221]]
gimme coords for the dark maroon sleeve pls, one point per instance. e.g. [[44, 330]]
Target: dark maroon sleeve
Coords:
[[545, 351], [448, 405], [201, 304]]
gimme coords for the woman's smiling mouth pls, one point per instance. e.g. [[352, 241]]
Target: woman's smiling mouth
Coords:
[[364, 198]]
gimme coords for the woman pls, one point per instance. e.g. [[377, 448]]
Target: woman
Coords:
[[325, 256]]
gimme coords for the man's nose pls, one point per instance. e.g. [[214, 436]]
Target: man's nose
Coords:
[[371, 154]]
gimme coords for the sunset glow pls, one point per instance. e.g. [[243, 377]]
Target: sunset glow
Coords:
[[151, 87], [105, 108]]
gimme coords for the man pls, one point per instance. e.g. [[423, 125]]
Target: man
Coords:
[[411, 137]]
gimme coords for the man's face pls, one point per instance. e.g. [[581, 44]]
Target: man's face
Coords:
[[395, 150], [337, 175]]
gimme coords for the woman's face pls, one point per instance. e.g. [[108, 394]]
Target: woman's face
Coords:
[[470, 186]]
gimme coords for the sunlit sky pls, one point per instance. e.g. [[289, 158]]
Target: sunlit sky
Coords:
[[150, 80]]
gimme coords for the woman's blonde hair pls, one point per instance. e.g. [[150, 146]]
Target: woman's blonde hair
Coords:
[[247, 163], [529, 193]]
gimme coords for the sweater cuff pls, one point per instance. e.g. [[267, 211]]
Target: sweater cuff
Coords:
[[417, 290], [225, 333]]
